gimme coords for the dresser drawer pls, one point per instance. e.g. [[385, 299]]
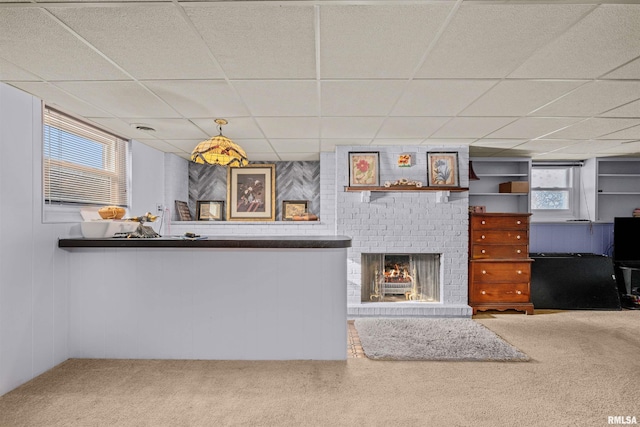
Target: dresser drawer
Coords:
[[508, 237], [500, 272], [502, 292], [480, 251], [481, 222]]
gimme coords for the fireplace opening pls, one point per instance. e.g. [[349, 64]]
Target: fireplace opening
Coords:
[[400, 277]]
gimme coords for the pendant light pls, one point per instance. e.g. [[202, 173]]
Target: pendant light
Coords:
[[219, 150]]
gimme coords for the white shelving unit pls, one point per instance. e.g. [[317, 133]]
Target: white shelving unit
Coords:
[[612, 187], [493, 171]]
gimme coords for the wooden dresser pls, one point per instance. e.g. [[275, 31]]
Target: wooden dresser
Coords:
[[499, 263]]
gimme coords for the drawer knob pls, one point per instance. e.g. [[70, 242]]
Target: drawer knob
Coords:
[[483, 251], [483, 222], [518, 251], [482, 237], [519, 292], [519, 271], [518, 222], [484, 271], [518, 237], [483, 292]]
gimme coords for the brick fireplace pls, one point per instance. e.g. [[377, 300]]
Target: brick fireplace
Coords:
[[406, 223]]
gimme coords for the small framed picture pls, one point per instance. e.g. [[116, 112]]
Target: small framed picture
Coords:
[[291, 208], [442, 169], [364, 169], [209, 210], [251, 193]]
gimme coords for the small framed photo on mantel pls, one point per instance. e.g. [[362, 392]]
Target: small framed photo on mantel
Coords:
[[209, 210], [364, 169], [442, 169], [293, 208]]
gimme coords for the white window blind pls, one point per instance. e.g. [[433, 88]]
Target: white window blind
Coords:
[[82, 164]]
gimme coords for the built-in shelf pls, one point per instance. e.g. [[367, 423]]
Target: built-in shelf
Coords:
[[493, 171], [611, 185], [407, 189]]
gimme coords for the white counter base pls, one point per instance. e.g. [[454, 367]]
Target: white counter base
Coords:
[[240, 304]]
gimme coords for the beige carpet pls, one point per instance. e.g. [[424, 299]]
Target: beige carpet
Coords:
[[585, 367]]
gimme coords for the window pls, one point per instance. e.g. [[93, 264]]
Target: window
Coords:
[[555, 191], [82, 165]]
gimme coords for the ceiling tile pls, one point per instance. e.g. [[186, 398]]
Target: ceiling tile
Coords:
[[350, 127], [199, 98], [543, 145], [603, 40], [588, 148], [186, 145], [624, 149], [300, 157], [119, 127], [160, 145], [165, 129], [34, 41], [295, 145], [593, 128], [359, 97], [484, 151], [331, 144], [263, 157], [289, 127], [592, 99], [629, 71], [279, 97], [258, 40], [631, 109], [491, 40], [532, 127], [121, 99], [630, 133], [9, 71], [57, 98], [377, 41], [498, 143], [518, 97], [237, 128], [410, 127], [254, 145], [447, 141], [439, 97], [397, 142], [148, 42], [471, 127]]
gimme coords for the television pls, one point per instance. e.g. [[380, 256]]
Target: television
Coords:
[[626, 240]]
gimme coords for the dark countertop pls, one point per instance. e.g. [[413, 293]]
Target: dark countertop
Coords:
[[272, 242]]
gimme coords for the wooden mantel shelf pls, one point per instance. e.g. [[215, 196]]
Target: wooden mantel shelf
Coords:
[[407, 188]]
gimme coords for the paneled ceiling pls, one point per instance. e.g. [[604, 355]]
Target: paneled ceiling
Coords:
[[543, 79]]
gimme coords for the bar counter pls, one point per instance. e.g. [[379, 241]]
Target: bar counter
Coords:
[[272, 242], [216, 298]]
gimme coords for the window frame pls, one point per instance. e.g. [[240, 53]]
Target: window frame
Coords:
[[69, 211], [573, 212]]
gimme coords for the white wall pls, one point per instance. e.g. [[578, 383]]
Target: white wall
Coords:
[[33, 273]]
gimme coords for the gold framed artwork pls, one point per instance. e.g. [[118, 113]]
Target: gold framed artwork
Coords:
[[251, 193], [442, 169], [209, 210], [364, 169], [291, 208]]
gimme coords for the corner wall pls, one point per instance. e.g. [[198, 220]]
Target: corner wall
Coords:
[[33, 273]]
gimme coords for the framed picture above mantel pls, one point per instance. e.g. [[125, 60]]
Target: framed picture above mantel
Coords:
[[251, 193], [442, 169], [364, 169]]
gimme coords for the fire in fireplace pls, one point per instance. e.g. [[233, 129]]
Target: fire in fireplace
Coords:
[[400, 277]]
